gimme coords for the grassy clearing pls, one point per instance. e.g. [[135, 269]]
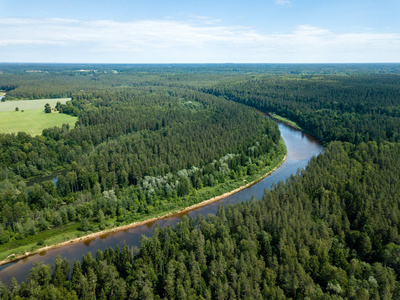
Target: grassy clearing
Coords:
[[30, 104], [30, 243], [32, 121], [71, 231], [286, 121]]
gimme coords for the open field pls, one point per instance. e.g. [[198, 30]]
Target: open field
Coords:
[[32, 121], [30, 104]]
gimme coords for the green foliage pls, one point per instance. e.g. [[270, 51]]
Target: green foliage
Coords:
[[47, 108], [317, 236], [352, 108], [134, 152], [85, 226], [330, 232]]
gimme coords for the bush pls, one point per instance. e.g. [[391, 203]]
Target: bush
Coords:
[[4, 238], [85, 225]]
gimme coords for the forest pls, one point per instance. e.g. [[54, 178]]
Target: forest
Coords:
[[329, 232], [134, 153], [356, 108]]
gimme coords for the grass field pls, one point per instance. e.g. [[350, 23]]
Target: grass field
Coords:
[[32, 121], [30, 104]]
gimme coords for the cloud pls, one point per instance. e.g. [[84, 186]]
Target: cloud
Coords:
[[284, 2], [69, 40], [159, 33]]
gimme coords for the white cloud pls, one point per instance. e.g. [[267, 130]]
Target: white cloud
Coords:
[[284, 2], [160, 33], [68, 40]]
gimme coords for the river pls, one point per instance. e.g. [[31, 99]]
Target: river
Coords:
[[300, 148]]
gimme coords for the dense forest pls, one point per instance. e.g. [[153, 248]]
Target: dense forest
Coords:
[[135, 152], [356, 108], [329, 232]]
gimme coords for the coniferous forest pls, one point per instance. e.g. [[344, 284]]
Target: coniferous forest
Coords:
[[135, 152], [151, 138]]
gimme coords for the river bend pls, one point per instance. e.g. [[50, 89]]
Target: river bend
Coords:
[[301, 147]]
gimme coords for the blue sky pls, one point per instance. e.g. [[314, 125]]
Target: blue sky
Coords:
[[156, 31]]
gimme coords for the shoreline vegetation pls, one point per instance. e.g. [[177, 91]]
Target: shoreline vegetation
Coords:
[[285, 121], [12, 257], [289, 123]]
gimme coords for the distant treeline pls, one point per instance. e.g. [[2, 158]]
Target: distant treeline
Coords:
[[37, 81]]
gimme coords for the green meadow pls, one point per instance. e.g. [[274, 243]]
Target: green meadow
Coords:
[[30, 104], [31, 117]]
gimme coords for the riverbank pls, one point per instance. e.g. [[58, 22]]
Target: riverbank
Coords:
[[287, 122], [15, 256]]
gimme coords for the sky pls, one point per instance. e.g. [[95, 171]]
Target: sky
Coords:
[[207, 31]]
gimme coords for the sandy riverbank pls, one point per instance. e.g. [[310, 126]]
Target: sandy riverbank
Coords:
[[94, 235]]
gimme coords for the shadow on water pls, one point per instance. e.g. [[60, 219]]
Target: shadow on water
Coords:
[[53, 177], [301, 147]]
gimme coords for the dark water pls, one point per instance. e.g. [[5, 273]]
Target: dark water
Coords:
[[53, 177], [300, 148]]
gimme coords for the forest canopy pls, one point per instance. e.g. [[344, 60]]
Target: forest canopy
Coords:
[[135, 152]]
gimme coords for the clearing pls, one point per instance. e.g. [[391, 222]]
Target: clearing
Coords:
[[32, 119], [30, 104]]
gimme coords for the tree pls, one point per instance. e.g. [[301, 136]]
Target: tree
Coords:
[[17, 109], [59, 106], [85, 226], [59, 276], [47, 108]]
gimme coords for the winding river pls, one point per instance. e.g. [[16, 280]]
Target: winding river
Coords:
[[300, 148]]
